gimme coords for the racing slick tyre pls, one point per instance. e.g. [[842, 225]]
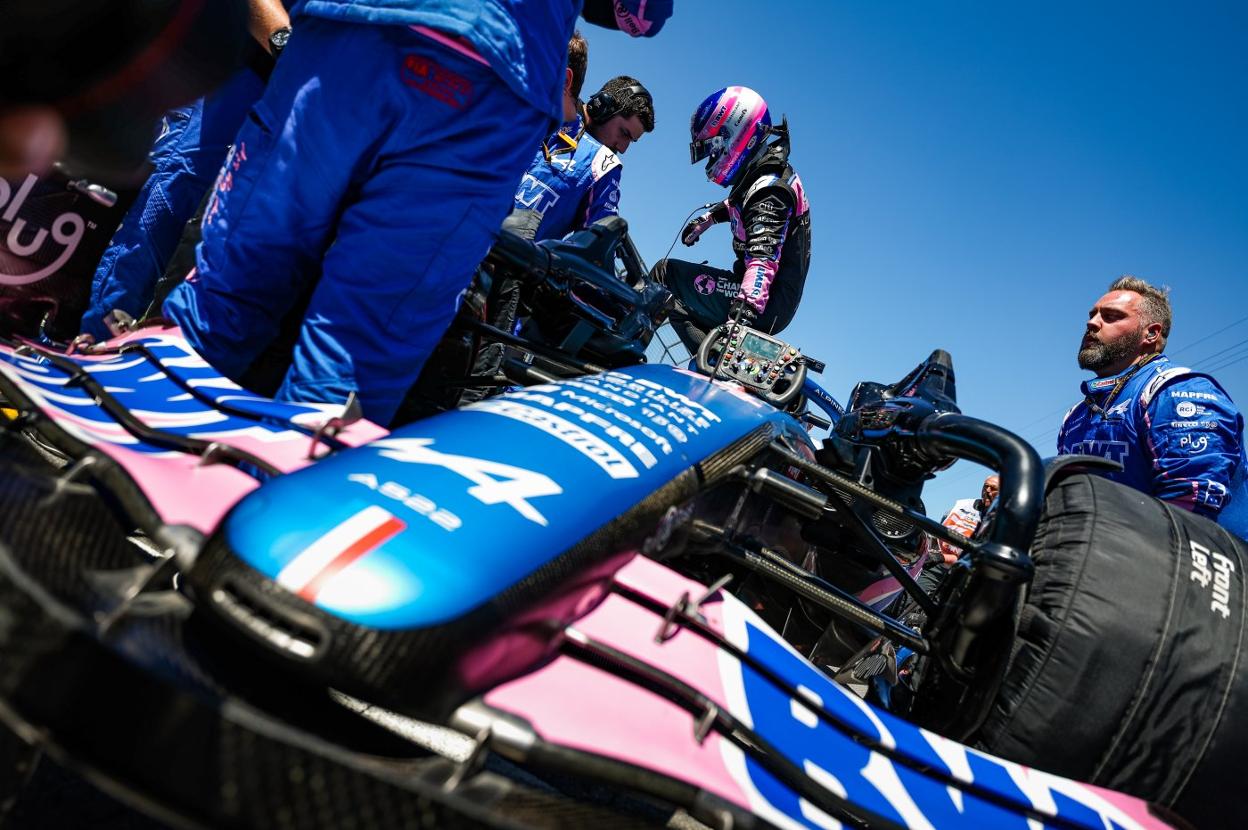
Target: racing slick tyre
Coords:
[[1129, 669]]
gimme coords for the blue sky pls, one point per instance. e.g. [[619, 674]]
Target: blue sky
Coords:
[[978, 174]]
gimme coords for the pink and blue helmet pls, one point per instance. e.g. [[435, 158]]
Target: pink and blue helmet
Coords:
[[726, 129]]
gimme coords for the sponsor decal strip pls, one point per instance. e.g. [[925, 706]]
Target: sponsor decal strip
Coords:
[[608, 459], [316, 564]]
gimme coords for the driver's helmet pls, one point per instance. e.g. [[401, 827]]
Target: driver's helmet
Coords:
[[726, 129]]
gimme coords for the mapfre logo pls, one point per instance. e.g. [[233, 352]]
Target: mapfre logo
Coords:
[[25, 241]]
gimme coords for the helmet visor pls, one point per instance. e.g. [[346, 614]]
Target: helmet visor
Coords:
[[706, 148]]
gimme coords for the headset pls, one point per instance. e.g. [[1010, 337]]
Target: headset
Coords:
[[603, 106]]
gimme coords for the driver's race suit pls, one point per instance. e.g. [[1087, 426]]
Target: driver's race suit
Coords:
[[369, 181], [770, 219], [1176, 432]]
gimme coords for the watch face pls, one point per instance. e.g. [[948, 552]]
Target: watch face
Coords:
[[279, 39]]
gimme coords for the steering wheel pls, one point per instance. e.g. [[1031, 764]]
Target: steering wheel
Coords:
[[779, 391]]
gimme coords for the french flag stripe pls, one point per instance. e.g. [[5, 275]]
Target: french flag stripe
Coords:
[[307, 573]]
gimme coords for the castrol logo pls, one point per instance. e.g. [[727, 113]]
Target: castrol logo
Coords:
[[25, 240]]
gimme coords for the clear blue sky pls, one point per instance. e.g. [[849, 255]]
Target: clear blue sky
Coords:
[[978, 174]]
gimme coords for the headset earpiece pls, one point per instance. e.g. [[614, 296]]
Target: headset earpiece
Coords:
[[602, 106]]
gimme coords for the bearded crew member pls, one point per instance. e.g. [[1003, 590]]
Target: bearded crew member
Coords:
[[1176, 432]]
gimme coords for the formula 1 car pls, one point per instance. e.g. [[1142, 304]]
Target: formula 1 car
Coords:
[[585, 576], [586, 304]]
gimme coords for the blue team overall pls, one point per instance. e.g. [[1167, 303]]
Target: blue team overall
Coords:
[[1177, 434], [377, 167], [572, 182], [185, 159]]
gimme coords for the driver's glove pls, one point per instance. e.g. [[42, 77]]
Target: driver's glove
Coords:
[[696, 227], [743, 313]]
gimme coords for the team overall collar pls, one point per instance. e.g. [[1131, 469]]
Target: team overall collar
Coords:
[[566, 140], [1099, 393], [773, 155]]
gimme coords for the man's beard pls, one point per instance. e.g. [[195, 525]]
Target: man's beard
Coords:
[[1097, 355]]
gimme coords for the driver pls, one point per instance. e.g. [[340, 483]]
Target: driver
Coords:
[[770, 219]]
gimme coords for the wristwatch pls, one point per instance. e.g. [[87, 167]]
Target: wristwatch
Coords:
[[278, 41]]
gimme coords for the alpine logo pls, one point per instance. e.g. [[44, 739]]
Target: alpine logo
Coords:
[[24, 242], [493, 482]]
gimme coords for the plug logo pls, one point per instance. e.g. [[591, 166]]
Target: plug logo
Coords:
[[24, 242]]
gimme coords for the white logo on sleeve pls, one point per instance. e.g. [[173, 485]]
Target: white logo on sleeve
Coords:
[[604, 162], [1209, 566], [535, 195], [1194, 443]]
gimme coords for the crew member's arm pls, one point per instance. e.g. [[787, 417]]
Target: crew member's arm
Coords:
[[523, 222], [603, 198], [765, 219], [264, 18], [637, 18], [1194, 433]]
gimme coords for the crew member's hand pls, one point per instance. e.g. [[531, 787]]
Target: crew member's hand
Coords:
[[696, 227]]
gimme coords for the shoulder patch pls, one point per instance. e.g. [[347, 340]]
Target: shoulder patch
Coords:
[[1070, 412], [605, 160], [1159, 380], [761, 183]]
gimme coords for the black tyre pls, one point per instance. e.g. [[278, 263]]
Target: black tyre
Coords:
[[1129, 667]]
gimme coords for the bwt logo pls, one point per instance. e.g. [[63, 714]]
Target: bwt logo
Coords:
[[67, 231], [536, 196], [1113, 450]]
